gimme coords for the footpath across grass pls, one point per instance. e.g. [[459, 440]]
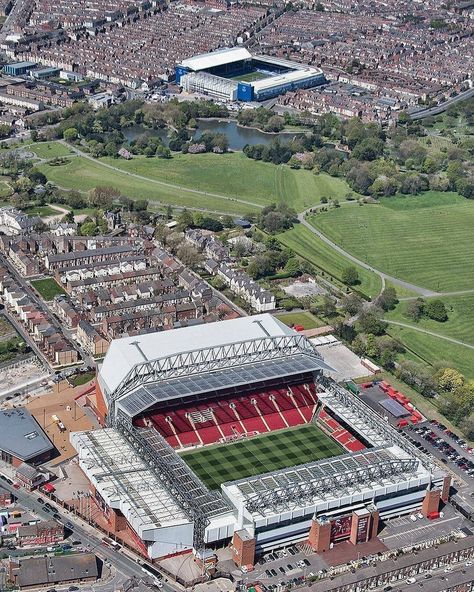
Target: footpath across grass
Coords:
[[425, 239], [261, 454], [47, 288], [307, 245]]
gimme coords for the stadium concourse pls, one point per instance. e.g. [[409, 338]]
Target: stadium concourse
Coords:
[[230, 433]]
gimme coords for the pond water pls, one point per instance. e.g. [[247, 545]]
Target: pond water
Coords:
[[238, 136]]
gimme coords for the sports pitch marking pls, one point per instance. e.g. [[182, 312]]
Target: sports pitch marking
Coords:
[[261, 454]]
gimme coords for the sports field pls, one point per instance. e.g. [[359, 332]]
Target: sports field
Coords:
[[277, 450], [250, 76], [426, 239]]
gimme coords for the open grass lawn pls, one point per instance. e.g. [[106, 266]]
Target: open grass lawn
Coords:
[[305, 319], [237, 176], [48, 288], [310, 247], [460, 323], [42, 211], [426, 240], [80, 379], [433, 349], [48, 150], [83, 174], [261, 454]]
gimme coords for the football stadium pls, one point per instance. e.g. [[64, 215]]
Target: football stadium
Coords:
[[234, 74], [231, 434]]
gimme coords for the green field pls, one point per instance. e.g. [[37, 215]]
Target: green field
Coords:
[[426, 240], [261, 454], [430, 349], [239, 177], [42, 211], [47, 288], [460, 323], [48, 150], [309, 246], [305, 319], [250, 77], [240, 185]]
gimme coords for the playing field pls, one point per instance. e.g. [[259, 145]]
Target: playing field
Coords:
[[277, 450], [250, 76], [426, 239]]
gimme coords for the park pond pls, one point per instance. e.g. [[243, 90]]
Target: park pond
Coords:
[[237, 135]]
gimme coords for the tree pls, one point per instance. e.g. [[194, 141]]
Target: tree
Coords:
[[185, 219], [436, 310], [88, 228], [350, 276], [328, 306], [450, 379], [103, 197], [70, 134], [38, 177], [351, 303], [387, 299], [370, 322], [292, 267], [188, 255], [414, 309], [141, 205]]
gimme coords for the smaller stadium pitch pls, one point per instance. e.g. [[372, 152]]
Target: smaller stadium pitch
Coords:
[[217, 464]]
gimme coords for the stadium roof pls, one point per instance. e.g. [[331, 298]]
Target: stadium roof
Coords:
[[322, 479], [148, 395], [293, 76], [124, 480], [216, 58], [21, 435], [124, 354]]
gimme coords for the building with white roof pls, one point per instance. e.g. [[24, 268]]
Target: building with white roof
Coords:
[[152, 386], [234, 73]]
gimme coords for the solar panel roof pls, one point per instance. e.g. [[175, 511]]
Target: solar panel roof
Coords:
[[147, 395], [394, 408]]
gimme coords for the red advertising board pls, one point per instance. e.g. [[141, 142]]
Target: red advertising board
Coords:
[[341, 528], [362, 529]]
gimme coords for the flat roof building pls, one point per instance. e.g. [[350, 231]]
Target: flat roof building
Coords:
[[18, 68], [22, 439]]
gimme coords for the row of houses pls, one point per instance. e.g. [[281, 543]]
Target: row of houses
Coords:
[[56, 348], [248, 289]]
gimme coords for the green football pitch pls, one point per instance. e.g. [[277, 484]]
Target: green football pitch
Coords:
[[261, 454]]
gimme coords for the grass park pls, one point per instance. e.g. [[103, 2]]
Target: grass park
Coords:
[[304, 318], [277, 450], [238, 184], [47, 288], [425, 240], [313, 249]]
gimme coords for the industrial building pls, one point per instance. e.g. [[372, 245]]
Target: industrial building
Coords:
[[232, 74], [18, 68], [169, 395]]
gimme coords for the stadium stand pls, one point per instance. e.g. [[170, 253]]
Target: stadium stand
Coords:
[[252, 413]]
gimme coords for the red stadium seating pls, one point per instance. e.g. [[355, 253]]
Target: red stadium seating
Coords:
[[238, 416]]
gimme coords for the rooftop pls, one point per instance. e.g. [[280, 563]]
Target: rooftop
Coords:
[[124, 354], [217, 58], [21, 435]]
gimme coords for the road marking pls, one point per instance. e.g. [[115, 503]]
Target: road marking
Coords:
[[425, 526]]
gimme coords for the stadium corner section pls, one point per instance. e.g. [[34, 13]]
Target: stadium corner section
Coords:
[[198, 386]]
